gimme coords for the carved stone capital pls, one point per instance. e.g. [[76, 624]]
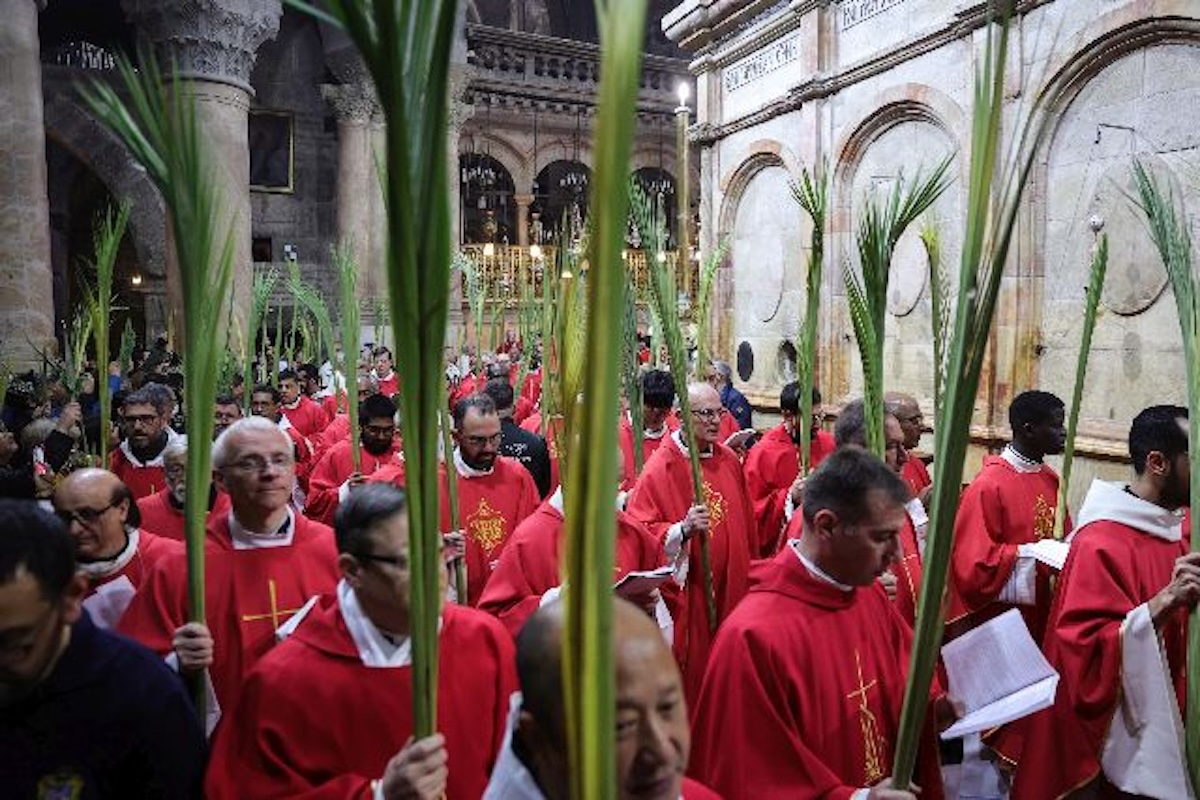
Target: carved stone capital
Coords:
[[211, 40], [353, 102]]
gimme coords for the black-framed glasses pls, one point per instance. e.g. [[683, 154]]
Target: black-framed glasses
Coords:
[[483, 441], [84, 516], [708, 413], [399, 562]]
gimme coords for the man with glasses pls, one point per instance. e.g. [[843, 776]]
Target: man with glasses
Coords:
[[263, 562], [83, 713], [908, 412], [327, 712], [773, 467], [162, 512], [663, 500], [338, 429], [495, 493], [145, 420], [111, 550], [334, 475], [267, 401]]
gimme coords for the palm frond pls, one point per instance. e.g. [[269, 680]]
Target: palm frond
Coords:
[[1167, 223], [262, 288], [347, 270], [159, 126], [631, 372], [708, 275], [125, 351], [812, 194], [940, 311]]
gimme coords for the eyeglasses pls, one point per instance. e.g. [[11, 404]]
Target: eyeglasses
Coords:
[[84, 516], [482, 441], [259, 464], [708, 413], [399, 562], [139, 419], [176, 471]]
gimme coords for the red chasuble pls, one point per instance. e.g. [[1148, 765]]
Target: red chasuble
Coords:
[[143, 480], [1002, 508], [915, 474], [529, 566], [803, 691], [1111, 569], [334, 405], [660, 498], [771, 467], [248, 593], [466, 387], [307, 417], [315, 724], [334, 468], [649, 445], [338, 430], [163, 519], [151, 550], [908, 573]]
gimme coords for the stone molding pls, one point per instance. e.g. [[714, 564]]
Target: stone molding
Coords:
[[353, 102], [210, 40]]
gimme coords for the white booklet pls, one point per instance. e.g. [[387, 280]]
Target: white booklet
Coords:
[[998, 674], [637, 584], [1051, 552]]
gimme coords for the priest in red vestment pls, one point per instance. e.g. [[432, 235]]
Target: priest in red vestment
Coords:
[[1010, 503], [662, 499], [1117, 635], [145, 419], [267, 401], [494, 493], [529, 572], [773, 469], [902, 581], [110, 548], [327, 713], [907, 410], [651, 733], [162, 512], [334, 474], [262, 564], [388, 380], [658, 401], [806, 679], [302, 413]]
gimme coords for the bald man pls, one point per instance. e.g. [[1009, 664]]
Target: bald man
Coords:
[[663, 499], [907, 411], [652, 734], [110, 548]]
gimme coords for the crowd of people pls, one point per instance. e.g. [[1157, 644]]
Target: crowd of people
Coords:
[[763, 653]]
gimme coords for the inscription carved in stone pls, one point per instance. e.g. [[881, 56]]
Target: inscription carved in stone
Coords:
[[856, 12], [765, 61]]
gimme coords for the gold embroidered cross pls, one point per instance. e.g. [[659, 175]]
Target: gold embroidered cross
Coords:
[[872, 744], [275, 613]]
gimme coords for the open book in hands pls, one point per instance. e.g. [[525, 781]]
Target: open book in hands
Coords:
[[640, 584], [998, 674]]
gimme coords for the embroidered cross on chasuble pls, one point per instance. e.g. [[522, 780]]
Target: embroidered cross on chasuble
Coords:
[[275, 614], [486, 526], [873, 745], [714, 501], [1043, 518]]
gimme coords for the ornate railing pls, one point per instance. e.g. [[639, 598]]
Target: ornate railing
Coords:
[[507, 269]]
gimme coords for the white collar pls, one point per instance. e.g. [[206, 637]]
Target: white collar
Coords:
[[284, 423], [375, 649], [1019, 462], [466, 470], [111, 566], [658, 434], [677, 438], [511, 779], [388, 377], [1109, 501], [556, 500], [295, 403], [244, 539], [816, 571], [157, 461]]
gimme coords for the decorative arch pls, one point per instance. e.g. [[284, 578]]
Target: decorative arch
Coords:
[[759, 156], [502, 149], [98, 149]]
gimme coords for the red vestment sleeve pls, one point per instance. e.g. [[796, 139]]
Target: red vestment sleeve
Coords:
[[981, 561], [323, 485], [158, 606], [526, 570]]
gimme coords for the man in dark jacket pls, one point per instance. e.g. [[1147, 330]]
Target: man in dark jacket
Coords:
[[515, 442]]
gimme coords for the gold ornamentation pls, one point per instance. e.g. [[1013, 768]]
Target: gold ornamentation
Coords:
[[873, 744], [277, 615], [1043, 519], [486, 526], [715, 502]]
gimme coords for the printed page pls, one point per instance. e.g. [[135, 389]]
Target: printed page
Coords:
[[637, 584]]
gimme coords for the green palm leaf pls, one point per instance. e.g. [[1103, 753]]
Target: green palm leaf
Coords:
[[812, 193]]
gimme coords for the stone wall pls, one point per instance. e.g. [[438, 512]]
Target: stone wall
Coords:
[[880, 89]]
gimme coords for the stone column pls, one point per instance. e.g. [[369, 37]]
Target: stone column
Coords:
[[460, 112], [26, 278], [524, 201], [361, 223], [213, 44]]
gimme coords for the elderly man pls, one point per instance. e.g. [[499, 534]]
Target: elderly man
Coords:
[[807, 676], [262, 563], [162, 512], [720, 376], [1118, 634], [83, 713], [349, 660], [335, 473], [663, 500], [773, 468], [652, 739], [907, 411], [137, 461], [110, 549]]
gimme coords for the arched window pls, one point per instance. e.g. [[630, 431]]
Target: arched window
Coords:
[[489, 213], [658, 184], [562, 194]]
